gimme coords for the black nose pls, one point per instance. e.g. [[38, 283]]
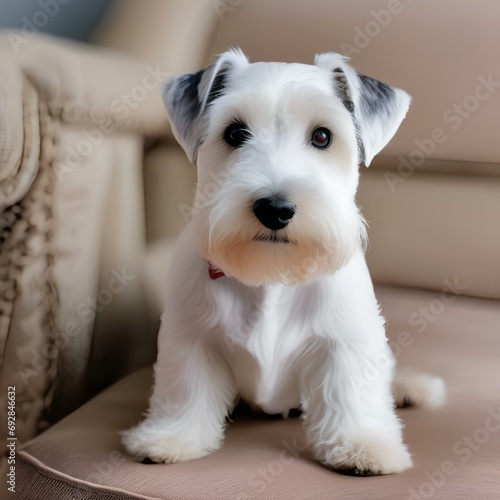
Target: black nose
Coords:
[[274, 213]]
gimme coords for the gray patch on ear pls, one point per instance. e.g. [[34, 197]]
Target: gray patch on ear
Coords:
[[378, 109], [188, 97], [376, 96], [184, 104], [344, 93], [217, 89], [342, 88]]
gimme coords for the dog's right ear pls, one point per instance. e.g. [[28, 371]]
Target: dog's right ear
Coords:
[[186, 98]]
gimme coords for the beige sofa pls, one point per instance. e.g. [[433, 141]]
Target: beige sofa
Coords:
[[94, 190]]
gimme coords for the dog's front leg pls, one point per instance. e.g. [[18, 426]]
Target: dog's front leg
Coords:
[[349, 411], [192, 394], [194, 388]]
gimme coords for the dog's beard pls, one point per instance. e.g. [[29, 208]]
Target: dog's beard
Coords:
[[258, 263], [256, 256]]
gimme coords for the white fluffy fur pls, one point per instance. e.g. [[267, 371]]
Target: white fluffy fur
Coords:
[[291, 324]]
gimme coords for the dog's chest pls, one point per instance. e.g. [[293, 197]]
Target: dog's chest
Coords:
[[264, 334]]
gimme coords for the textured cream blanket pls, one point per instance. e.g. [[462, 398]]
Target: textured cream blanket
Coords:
[[72, 125]]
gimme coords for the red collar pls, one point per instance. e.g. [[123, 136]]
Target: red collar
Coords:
[[214, 272]]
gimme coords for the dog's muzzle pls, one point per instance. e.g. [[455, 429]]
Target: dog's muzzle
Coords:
[[274, 213]]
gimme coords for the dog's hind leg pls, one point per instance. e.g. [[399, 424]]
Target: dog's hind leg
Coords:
[[413, 388]]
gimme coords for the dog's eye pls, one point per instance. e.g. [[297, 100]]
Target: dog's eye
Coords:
[[321, 138], [237, 134]]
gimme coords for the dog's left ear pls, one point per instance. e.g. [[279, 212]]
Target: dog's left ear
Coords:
[[378, 109], [186, 98]]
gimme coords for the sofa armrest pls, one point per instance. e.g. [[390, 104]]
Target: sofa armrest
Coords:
[[89, 86], [73, 121], [19, 133]]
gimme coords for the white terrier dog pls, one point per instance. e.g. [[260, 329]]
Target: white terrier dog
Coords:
[[292, 321]]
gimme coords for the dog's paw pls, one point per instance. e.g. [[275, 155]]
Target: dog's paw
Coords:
[[144, 444], [371, 458], [413, 388]]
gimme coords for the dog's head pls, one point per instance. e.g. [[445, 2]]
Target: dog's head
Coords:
[[278, 147]]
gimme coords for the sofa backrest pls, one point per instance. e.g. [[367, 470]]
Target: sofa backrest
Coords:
[[433, 194]]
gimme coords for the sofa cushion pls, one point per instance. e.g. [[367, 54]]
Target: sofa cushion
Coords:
[[455, 449], [431, 226]]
